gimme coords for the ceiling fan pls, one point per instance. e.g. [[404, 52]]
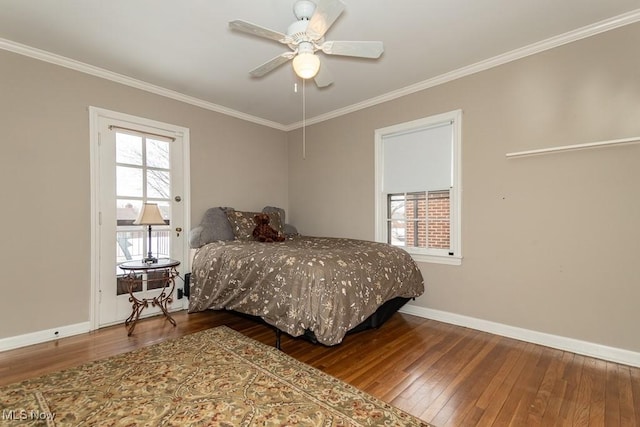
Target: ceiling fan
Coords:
[[306, 36]]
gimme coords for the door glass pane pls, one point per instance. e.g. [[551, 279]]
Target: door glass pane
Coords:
[[128, 181], [127, 211], [124, 283], [130, 244], [157, 279], [129, 238], [160, 234], [165, 211], [157, 154], [158, 185], [128, 149]]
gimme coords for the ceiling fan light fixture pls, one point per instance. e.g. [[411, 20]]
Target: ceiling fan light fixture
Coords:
[[305, 37], [306, 65]]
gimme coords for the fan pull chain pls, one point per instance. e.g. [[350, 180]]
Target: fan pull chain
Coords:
[[304, 120]]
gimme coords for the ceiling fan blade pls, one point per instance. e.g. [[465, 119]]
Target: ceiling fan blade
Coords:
[[272, 64], [366, 49], [257, 30], [326, 13], [324, 77]]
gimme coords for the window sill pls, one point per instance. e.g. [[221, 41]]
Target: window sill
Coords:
[[436, 259]]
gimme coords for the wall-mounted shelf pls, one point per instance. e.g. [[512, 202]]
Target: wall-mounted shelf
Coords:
[[574, 147]]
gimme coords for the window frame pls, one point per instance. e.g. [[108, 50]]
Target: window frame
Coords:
[[454, 255]]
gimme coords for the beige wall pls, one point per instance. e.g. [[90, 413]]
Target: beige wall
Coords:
[[542, 251], [44, 176], [550, 243]]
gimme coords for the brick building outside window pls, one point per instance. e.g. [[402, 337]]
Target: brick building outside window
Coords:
[[420, 219]]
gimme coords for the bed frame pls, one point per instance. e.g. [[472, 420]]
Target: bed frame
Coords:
[[377, 319]]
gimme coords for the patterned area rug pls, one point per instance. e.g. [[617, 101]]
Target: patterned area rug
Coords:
[[217, 377]]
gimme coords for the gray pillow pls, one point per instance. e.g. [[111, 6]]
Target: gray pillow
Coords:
[[280, 211], [213, 227], [290, 230]]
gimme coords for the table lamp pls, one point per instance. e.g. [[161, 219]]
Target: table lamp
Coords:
[[149, 215]]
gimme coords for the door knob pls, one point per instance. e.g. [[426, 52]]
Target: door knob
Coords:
[[178, 230]]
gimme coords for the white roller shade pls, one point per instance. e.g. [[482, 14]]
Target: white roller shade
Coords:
[[418, 160]]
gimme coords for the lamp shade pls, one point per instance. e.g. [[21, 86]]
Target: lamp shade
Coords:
[[306, 65], [149, 215]]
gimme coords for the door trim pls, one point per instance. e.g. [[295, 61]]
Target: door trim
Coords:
[[97, 114]]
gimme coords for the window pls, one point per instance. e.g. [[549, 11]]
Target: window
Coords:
[[420, 219], [418, 187]]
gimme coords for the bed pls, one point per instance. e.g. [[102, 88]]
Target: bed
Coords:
[[317, 287]]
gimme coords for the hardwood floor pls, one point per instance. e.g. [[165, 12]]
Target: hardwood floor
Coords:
[[444, 374]]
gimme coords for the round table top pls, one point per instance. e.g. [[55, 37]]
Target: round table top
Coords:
[[141, 265]]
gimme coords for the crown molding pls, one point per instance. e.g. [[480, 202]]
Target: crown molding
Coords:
[[532, 49], [72, 64], [550, 43]]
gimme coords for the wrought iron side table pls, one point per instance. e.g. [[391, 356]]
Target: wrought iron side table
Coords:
[[133, 275]]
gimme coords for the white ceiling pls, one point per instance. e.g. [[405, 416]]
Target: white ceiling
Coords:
[[187, 47]]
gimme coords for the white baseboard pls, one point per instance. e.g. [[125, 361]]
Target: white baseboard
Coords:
[[43, 336], [599, 351]]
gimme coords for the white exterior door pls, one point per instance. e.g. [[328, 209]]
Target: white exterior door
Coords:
[[138, 161]]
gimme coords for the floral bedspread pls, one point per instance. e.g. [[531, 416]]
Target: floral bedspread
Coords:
[[325, 285]]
